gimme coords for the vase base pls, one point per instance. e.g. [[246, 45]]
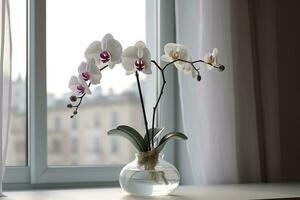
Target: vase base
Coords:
[[147, 187], [149, 180]]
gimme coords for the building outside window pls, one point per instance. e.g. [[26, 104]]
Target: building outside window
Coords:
[[56, 146], [114, 145], [114, 119], [74, 124], [57, 123], [96, 145], [74, 145], [97, 120]]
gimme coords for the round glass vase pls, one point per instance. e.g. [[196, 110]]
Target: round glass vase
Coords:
[[149, 175]]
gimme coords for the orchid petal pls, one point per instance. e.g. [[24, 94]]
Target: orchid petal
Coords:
[[93, 51], [84, 84], [77, 81], [166, 58], [82, 67], [95, 74], [115, 49], [129, 57], [147, 59], [140, 45], [106, 38], [215, 52], [169, 48], [172, 48], [128, 64]]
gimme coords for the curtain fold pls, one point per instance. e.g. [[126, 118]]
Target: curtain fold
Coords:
[[220, 113], [5, 84]]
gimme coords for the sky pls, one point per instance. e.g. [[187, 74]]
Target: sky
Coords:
[[71, 26]]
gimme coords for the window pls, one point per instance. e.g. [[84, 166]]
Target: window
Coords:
[[65, 51], [57, 143]]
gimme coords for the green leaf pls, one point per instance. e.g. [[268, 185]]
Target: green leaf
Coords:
[[156, 133], [132, 135], [167, 137]]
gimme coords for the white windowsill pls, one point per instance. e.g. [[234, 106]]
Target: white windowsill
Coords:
[[243, 191]]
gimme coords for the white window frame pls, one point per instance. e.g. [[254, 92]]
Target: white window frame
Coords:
[[160, 29]]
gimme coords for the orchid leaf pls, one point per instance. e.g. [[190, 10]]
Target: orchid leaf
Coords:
[[167, 137], [132, 135], [156, 134]]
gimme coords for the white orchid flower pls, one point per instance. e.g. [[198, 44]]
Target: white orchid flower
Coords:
[[88, 71], [107, 52], [175, 51], [79, 86], [137, 58], [211, 59]]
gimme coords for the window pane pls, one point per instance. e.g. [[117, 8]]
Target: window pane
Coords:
[[71, 27], [17, 139]]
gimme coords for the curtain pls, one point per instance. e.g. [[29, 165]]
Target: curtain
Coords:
[[5, 84], [221, 114]]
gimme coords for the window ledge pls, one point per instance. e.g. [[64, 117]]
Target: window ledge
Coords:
[[244, 191]]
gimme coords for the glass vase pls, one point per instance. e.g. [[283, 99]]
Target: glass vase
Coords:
[[149, 175]]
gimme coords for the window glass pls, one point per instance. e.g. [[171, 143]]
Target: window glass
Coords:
[[17, 143], [71, 27]]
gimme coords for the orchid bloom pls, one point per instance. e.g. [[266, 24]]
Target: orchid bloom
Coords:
[[79, 86], [88, 71], [211, 59], [137, 58], [107, 52], [175, 51]]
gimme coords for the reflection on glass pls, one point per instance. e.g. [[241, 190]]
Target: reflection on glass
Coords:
[[83, 140], [17, 138]]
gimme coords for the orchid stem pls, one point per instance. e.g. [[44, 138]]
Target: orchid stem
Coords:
[[143, 108], [162, 70]]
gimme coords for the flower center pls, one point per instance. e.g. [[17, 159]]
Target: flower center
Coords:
[[175, 55], [140, 64], [104, 56], [85, 76], [80, 89], [211, 59]]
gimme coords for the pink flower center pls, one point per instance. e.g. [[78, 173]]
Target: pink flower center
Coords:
[[80, 89], [85, 76], [140, 64], [104, 56]]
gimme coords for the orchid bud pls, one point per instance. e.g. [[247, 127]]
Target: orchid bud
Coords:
[[221, 68], [71, 116], [198, 77], [75, 112], [73, 98], [69, 105]]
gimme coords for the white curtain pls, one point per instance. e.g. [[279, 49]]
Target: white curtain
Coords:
[[219, 113], [5, 84]]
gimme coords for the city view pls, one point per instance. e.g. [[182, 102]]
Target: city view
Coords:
[[83, 139]]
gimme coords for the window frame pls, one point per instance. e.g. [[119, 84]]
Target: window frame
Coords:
[[38, 172]]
